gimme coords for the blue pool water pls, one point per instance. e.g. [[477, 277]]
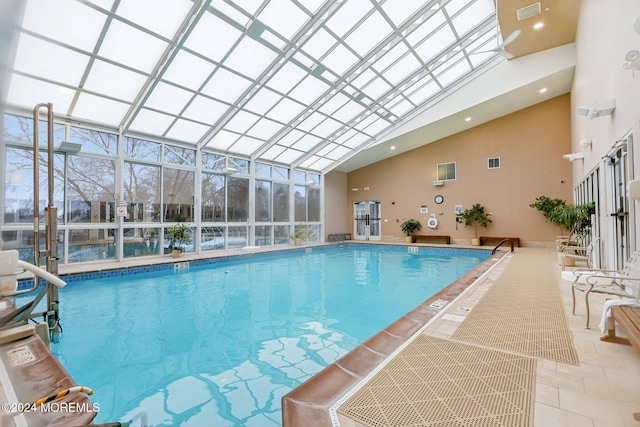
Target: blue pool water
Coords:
[[220, 344]]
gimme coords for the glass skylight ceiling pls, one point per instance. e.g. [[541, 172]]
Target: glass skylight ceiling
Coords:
[[304, 83]]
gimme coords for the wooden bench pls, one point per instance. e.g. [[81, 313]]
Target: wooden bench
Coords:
[[496, 240], [432, 239], [628, 319]]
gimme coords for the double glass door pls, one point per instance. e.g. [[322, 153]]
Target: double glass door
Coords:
[[366, 216]]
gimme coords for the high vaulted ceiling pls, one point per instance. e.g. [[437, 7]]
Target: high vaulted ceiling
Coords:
[[305, 83]]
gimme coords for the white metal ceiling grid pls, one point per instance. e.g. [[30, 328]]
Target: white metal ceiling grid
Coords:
[[270, 80]]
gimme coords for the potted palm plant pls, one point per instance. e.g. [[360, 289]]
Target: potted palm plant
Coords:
[[301, 232], [475, 216], [178, 235], [408, 227]]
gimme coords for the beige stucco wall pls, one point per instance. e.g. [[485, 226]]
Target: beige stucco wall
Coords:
[[604, 36], [530, 144], [336, 203]]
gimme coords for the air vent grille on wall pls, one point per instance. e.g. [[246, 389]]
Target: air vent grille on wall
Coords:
[[528, 11]]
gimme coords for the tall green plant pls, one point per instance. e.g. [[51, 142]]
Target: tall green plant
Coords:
[[409, 226], [475, 216]]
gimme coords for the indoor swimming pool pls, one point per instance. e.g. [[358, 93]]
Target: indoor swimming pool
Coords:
[[221, 341]]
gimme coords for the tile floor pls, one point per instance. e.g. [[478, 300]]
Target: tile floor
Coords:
[[603, 391]]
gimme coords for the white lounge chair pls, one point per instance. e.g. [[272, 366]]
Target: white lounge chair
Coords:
[[579, 253], [624, 283]]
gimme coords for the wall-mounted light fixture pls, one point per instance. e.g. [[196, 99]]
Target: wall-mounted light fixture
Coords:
[[585, 143], [68, 147], [598, 109], [438, 183], [354, 188], [633, 189], [573, 156]]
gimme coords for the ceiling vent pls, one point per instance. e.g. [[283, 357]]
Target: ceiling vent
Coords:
[[528, 11]]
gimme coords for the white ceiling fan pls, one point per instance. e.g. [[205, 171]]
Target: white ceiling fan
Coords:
[[501, 48]]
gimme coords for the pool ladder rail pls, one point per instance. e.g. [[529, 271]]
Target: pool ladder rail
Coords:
[[10, 268], [500, 244]]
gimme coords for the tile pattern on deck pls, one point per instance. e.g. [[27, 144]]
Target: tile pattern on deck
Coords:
[[526, 318], [435, 382]]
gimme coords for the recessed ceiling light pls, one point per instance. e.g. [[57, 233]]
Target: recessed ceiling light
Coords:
[[538, 26], [468, 119], [543, 90], [393, 147]]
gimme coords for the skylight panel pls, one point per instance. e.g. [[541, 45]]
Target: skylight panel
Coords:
[[27, 92], [124, 44], [307, 143], [151, 122], [187, 131], [250, 58], [205, 110], [264, 129], [327, 127], [272, 152], [246, 145], [427, 27], [376, 127], [315, 163], [319, 43], [285, 110], [333, 104], [168, 98], [402, 107], [262, 101], [284, 17], [62, 65], [402, 69], [309, 90], [290, 138], [357, 140], [105, 4], [454, 6], [338, 152], [326, 149], [400, 10], [68, 22], [348, 112], [165, 19], [340, 60], [223, 140], [376, 88], [424, 92], [103, 74], [100, 109], [188, 70], [364, 78], [366, 122], [250, 6], [286, 77], [435, 44], [241, 122], [212, 37], [289, 156], [226, 86], [389, 57], [473, 15], [348, 15], [368, 34], [310, 122], [455, 72]]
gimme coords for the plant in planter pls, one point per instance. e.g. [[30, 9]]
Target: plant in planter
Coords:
[[301, 232], [475, 216], [408, 227], [178, 235], [574, 221]]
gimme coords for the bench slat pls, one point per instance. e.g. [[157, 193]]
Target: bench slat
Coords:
[[628, 319]]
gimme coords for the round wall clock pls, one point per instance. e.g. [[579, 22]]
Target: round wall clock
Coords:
[[439, 199]]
